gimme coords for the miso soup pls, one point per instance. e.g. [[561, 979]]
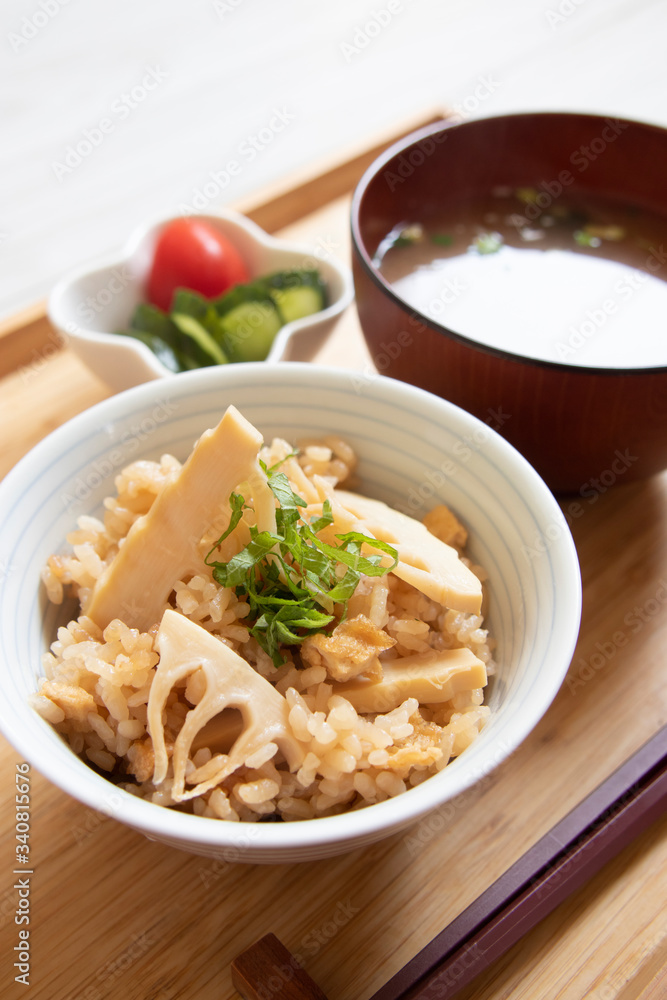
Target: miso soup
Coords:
[[579, 281]]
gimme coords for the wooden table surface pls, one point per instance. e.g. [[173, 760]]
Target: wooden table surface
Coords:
[[117, 916]]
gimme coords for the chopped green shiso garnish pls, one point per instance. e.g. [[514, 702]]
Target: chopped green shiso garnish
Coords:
[[291, 578], [527, 195], [487, 243], [584, 239]]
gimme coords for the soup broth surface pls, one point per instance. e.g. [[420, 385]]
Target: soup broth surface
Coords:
[[579, 282]]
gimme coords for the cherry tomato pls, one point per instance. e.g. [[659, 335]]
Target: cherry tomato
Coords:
[[192, 254]]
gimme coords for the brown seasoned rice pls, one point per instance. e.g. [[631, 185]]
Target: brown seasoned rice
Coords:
[[97, 682]]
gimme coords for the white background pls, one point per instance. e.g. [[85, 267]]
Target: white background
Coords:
[[338, 70]]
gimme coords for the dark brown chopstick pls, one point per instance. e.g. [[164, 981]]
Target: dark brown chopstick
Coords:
[[564, 859]]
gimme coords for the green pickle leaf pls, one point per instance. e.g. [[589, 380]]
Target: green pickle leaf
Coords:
[[240, 325]]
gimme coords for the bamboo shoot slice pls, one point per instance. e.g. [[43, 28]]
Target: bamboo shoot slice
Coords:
[[426, 563], [161, 548], [231, 682], [429, 677]]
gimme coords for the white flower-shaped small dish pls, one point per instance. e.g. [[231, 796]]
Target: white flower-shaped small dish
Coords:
[[89, 305]]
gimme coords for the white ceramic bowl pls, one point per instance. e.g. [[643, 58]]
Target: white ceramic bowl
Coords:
[[415, 449], [89, 305]]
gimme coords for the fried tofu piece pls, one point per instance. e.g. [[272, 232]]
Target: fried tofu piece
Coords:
[[446, 526], [73, 700], [421, 749], [353, 648], [414, 755], [142, 760]]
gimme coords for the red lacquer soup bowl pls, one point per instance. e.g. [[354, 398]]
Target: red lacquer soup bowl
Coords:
[[584, 421]]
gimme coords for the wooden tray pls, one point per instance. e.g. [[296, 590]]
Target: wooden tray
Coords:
[[116, 916]]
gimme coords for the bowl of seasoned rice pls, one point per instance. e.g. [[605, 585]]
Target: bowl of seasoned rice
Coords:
[[275, 613]]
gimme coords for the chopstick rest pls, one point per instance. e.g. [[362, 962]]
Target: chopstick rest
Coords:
[[268, 971]]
